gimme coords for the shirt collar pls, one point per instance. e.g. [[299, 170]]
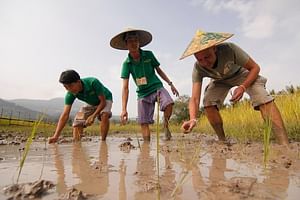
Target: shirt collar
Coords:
[[130, 59]]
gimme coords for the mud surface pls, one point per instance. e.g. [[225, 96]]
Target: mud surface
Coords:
[[190, 167]]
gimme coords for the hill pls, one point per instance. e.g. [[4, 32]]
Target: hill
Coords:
[[10, 109], [52, 107]]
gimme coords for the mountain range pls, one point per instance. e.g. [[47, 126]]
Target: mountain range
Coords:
[[31, 108]]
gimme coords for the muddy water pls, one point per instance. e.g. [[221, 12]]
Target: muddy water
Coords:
[[189, 168]]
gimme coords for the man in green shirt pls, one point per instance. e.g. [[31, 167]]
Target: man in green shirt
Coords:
[[228, 66], [98, 101], [143, 66]]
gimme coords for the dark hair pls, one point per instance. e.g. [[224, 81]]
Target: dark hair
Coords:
[[69, 76]]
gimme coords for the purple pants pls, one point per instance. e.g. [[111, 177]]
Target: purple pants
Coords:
[[146, 105]]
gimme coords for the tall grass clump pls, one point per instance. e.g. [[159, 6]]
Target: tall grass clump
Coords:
[[242, 122], [289, 107], [267, 133], [28, 144]]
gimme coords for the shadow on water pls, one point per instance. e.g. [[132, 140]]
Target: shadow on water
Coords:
[[104, 171]]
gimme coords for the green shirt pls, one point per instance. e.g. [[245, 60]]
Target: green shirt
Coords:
[[92, 88], [230, 62], [144, 68]]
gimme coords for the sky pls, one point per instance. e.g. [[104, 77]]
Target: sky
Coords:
[[41, 38]]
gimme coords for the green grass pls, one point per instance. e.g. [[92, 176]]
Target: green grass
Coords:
[[241, 121], [28, 144], [267, 133]]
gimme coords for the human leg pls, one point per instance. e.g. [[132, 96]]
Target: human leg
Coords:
[[104, 116], [269, 111], [264, 102], [145, 132], [167, 115], [214, 96], [79, 121], [166, 105], [104, 125], [77, 132], [215, 120], [145, 114]]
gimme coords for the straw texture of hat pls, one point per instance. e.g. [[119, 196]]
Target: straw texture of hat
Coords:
[[118, 41], [203, 40]]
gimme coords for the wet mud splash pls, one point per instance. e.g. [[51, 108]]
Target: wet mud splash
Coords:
[[191, 167]]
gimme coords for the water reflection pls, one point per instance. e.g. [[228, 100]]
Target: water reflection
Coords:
[[276, 183], [208, 176], [61, 186], [145, 173], [122, 182], [93, 179]]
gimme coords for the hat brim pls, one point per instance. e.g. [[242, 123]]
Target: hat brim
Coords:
[[118, 41], [197, 44]]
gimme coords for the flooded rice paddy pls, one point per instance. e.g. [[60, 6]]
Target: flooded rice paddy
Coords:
[[190, 167]]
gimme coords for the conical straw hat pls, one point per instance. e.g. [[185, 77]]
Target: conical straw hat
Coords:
[[203, 40], [118, 41]]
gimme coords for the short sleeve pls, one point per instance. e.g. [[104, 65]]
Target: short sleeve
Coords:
[[154, 61], [196, 75], [69, 98], [125, 70], [241, 57]]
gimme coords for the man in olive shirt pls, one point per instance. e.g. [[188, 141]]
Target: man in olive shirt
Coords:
[[227, 65], [142, 65], [98, 101]]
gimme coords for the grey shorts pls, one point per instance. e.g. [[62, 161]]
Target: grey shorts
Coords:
[[87, 110], [146, 105], [216, 91]]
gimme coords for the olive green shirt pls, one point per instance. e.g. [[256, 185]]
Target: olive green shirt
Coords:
[[230, 62]]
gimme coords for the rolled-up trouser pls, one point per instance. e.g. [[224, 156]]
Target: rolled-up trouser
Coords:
[[87, 110], [217, 90], [146, 105]]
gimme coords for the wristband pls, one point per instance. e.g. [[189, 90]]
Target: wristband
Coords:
[[242, 86], [194, 120]]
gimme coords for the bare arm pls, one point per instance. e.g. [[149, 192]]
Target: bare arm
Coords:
[[194, 102], [162, 74], [254, 69], [61, 123], [125, 92]]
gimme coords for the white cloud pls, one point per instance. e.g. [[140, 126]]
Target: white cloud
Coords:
[[260, 18]]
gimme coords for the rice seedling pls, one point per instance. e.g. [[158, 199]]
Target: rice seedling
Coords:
[[28, 144], [157, 147], [267, 133], [182, 180], [184, 174]]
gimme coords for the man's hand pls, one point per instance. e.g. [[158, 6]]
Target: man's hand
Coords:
[[238, 93], [124, 117], [52, 139], [174, 90], [90, 120], [188, 126]]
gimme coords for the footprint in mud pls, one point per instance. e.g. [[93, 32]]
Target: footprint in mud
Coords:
[[73, 193], [126, 146], [28, 190]]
